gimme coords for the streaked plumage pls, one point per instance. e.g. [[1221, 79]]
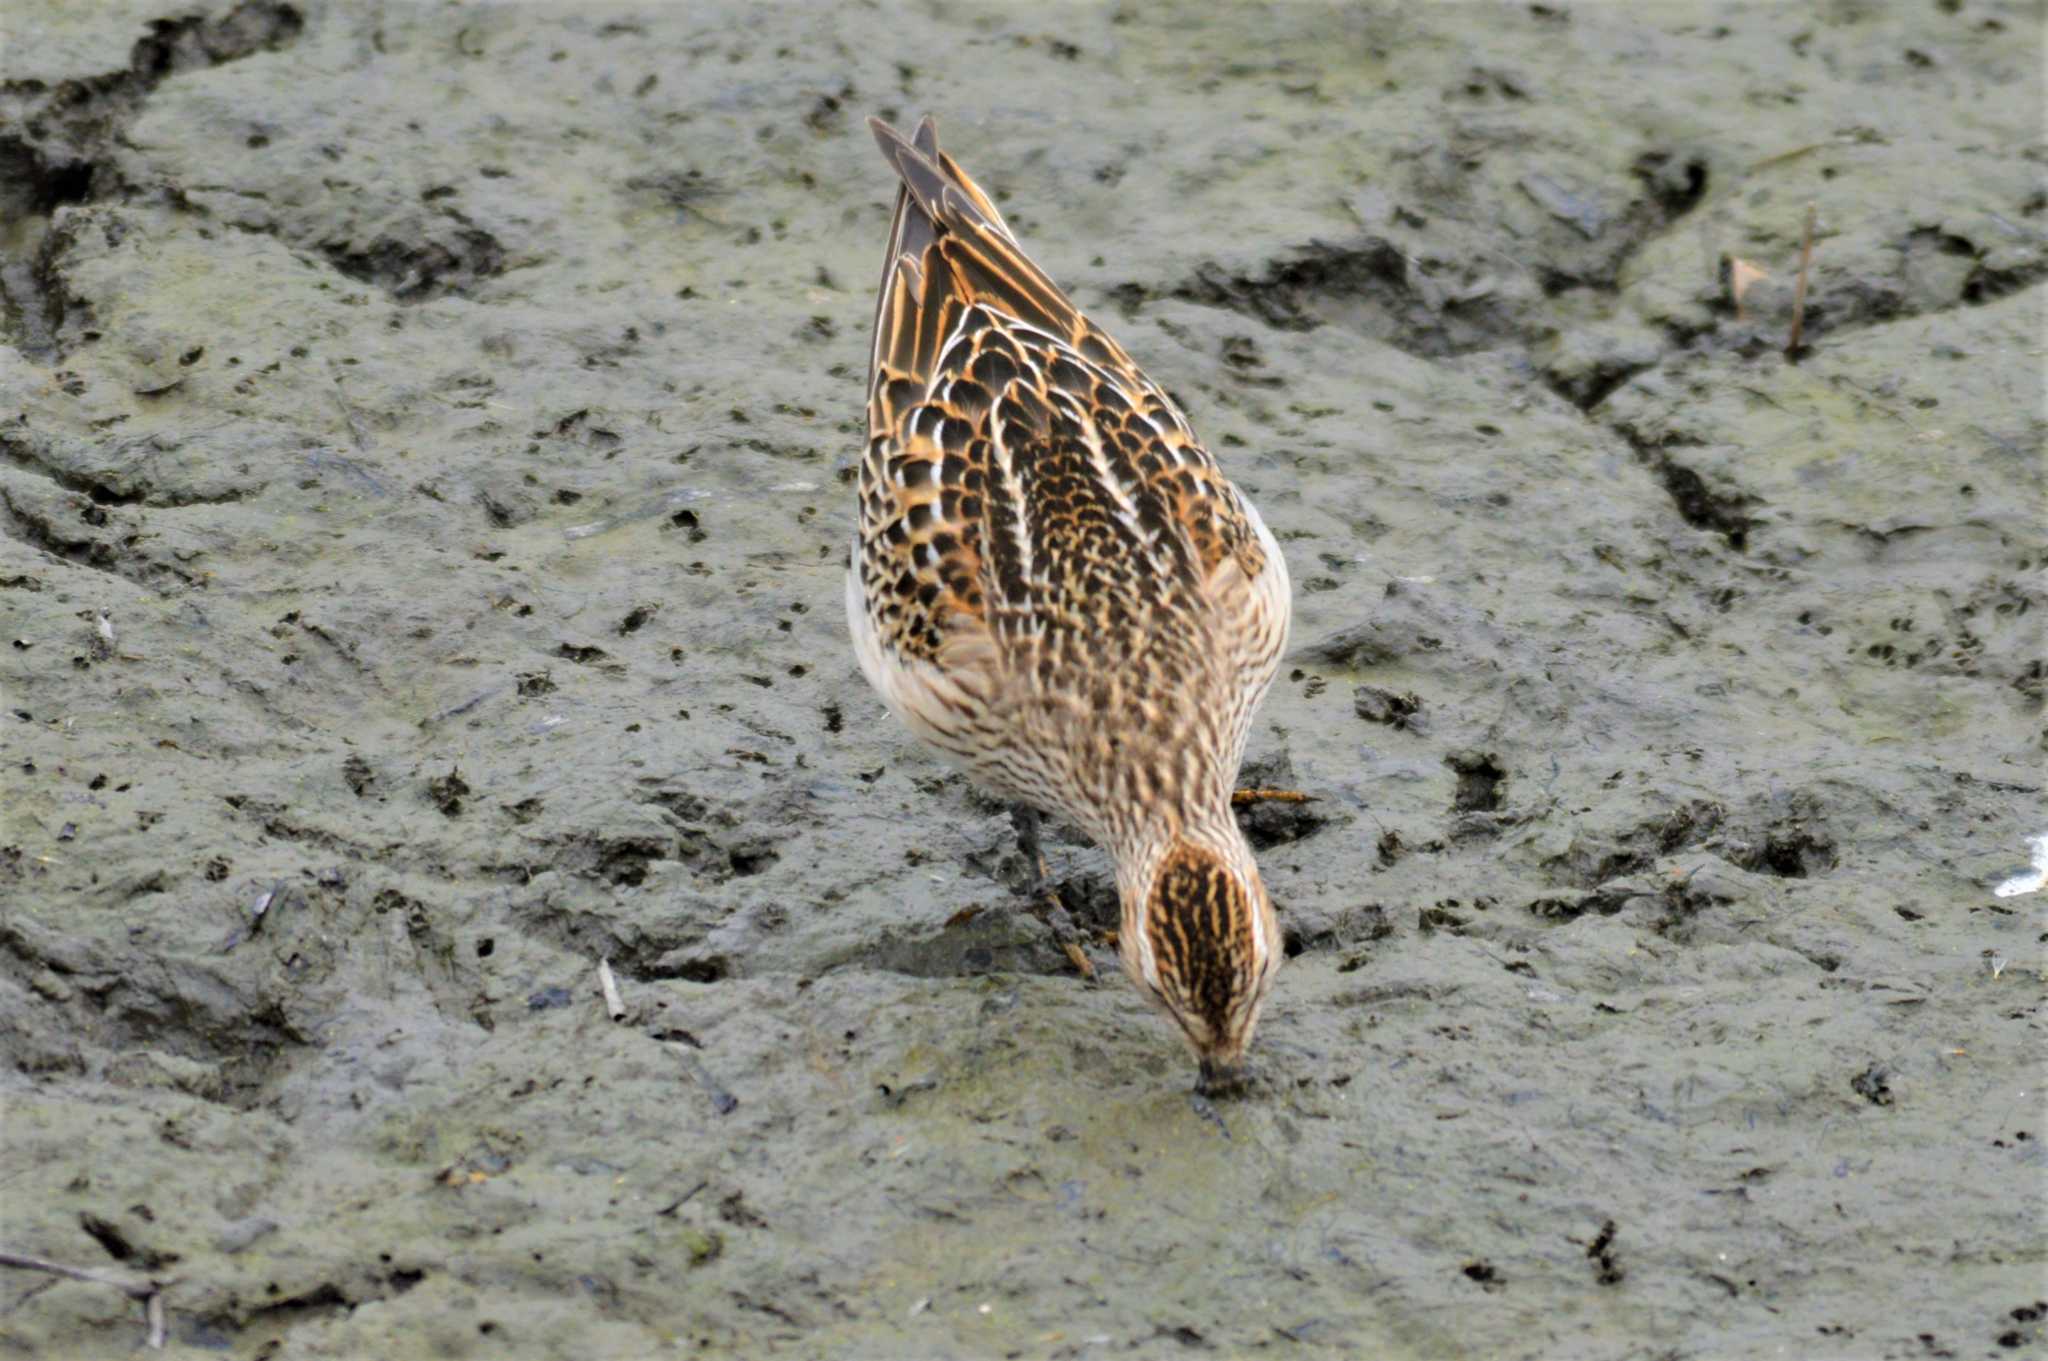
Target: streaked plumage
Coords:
[[1055, 586]]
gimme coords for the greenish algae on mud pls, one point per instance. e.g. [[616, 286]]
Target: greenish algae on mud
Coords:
[[448, 411]]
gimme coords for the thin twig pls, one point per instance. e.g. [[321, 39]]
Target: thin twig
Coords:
[[722, 1101], [1241, 797], [614, 1005], [134, 1287], [684, 1199], [147, 1289], [1799, 288]]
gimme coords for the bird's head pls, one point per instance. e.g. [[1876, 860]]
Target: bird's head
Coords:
[[1200, 939]]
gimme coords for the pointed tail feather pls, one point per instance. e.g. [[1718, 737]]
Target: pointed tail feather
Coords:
[[910, 232], [949, 248]]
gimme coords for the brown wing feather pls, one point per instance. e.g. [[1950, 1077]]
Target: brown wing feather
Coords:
[[909, 233], [1024, 477]]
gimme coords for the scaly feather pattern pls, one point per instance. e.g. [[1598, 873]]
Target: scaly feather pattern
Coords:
[[1053, 583]]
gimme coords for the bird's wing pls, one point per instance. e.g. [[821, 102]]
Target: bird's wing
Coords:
[[1023, 476]]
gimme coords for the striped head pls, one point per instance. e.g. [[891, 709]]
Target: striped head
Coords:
[[1199, 936]]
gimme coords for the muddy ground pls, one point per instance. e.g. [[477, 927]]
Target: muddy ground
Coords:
[[424, 435]]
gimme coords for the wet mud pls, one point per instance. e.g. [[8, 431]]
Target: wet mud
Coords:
[[424, 446]]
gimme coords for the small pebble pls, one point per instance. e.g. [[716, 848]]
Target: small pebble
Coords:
[[235, 1236]]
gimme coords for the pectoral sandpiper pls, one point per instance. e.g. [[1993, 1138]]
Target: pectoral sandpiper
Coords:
[[1055, 586]]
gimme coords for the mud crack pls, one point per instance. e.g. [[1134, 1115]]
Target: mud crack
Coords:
[[1697, 503], [55, 139], [1406, 304], [107, 485], [44, 523]]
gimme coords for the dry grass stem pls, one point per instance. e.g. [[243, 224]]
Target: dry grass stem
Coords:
[[147, 1289], [1799, 288]]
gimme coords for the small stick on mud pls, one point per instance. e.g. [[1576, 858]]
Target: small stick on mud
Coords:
[[722, 1101], [1240, 797], [1792, 344], [147, 1289], [684, 1199], [613, 1003]]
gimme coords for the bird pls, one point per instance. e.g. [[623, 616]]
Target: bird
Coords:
[[1055, 587]]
